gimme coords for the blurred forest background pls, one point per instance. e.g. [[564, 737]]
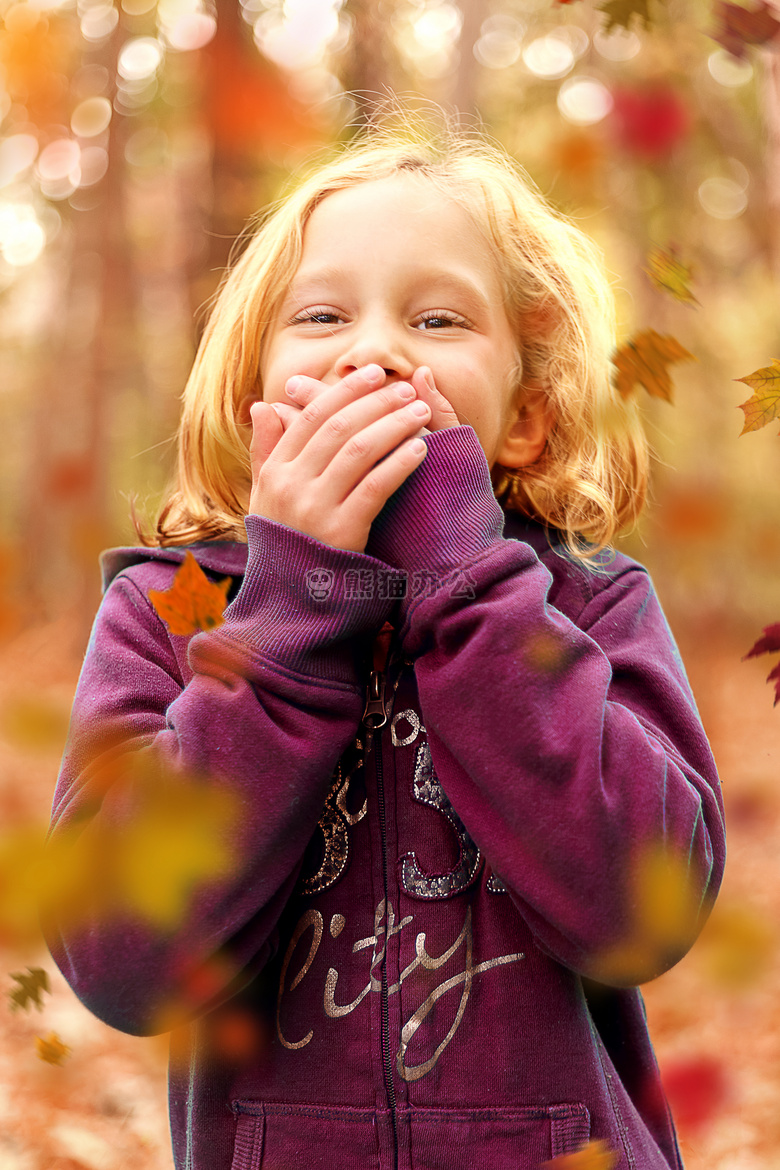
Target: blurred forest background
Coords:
[[136, 140]]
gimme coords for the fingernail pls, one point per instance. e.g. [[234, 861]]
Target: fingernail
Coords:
[[428, 379], [372, 373], [293, 385]]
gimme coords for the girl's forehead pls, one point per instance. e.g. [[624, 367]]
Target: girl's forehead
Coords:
[[407, 211]]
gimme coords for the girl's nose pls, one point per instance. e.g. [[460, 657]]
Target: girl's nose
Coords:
[[381, 344]]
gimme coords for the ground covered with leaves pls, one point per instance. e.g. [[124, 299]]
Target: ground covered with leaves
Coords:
[[76, 1095]]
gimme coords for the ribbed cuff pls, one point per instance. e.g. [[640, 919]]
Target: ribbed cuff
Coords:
[[445, 513], [302, 602]]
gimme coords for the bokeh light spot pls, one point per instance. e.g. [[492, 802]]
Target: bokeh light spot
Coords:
[[140, 58], [91, 117], [548, 57], [584, 101], [722, 198]]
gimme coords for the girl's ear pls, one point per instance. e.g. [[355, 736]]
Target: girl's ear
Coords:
[[526, 432]]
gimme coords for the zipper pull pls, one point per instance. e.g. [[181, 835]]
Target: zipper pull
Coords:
[[374, 714]]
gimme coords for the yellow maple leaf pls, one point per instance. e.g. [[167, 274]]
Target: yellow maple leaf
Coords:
[[665, 909], [178, 838], [51, 1049], [668, 274], [192, 602], [596, 1155], [643, 361], [764, 406]]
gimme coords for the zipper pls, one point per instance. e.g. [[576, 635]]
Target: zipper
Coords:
[[375, 718]]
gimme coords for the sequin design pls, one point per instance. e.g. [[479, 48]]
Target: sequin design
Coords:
[[334, 825], [428, 790], [495, 885]]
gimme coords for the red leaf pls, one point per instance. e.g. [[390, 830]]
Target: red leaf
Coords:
[[739, 27], [766, 645], [696, 1088], [769, 644], [650, 120]]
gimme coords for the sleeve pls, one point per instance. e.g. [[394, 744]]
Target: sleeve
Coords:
[[579, 764], [183, 809]]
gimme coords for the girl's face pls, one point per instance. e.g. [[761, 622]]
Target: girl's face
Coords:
[[393, 272]]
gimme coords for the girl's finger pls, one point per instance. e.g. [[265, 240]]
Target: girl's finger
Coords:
[[442, 412], [287, 414], [319, 405], [267, 430]]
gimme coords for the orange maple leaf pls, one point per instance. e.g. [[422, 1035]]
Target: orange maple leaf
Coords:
[[192, 602], [51, 1049], [596, 1155], [643, 361], [764, 406]]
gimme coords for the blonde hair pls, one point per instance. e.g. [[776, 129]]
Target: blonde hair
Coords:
[[590, 480]]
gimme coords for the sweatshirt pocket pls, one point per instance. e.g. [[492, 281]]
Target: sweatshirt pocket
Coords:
[[519, 1138], [272, 1136], [310, 1137]]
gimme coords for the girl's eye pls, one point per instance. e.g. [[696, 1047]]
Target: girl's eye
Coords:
[[316, 317], [439, 319]]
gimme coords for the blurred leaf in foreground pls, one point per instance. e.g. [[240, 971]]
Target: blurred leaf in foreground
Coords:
[[193, 602], [665, 910], [51, 1049], [35, 724], [696, 1088], [157, 838], [597, 1155], [619, 13], [769, 644], [764, 406], [739, 27], [30, 990], [644, 360], [737, 945], [668, 274]]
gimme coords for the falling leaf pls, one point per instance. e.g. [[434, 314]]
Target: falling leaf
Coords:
[[35, 724], [596, 1155], [546, 653], [669, 274], [234, 1035], [649, 120], [665, 910], [737, 945], [764, 406], [769, 644], [579, 155], [192, 602], [696, 1088], [31, 989], [620, 12], [739, 27], [51, 1049], [644, 359]]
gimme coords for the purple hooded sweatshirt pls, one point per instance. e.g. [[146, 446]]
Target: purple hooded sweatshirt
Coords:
[[448, 753]]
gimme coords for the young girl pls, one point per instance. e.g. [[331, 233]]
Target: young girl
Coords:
[[472, 802]]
